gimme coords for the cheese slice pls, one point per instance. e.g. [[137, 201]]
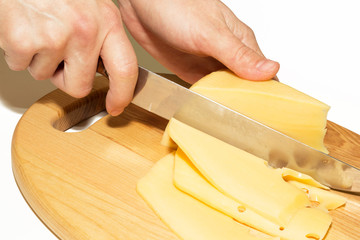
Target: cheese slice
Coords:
[[271, 103], [189, 179], [239, 175], [320, 223], [323, 198], [166, 139], [292, 175], [186, 216]]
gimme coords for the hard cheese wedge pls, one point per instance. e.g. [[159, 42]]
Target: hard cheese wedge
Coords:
[[303, 224], [239, 175], [189, 218], [270, 102]]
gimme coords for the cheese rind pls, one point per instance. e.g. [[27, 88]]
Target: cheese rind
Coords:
[[189, 179], [227, 168], [186, 216], [270, 102]]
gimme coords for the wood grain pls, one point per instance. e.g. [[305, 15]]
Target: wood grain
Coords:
[[83, 185], [343, 144]]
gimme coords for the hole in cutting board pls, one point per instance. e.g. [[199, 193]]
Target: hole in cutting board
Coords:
[[81, 126]]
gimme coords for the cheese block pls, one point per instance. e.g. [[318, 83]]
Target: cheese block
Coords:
[[239, 175], [186, 216], [189, 179], [323, 198], [270, 102]]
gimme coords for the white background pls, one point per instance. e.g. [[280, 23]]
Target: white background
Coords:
[[316, 43]]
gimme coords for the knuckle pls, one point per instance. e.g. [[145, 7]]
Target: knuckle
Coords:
[[111, 13], [15, 66], [85, 28], [18, 41], [243, 53], [248, 33], [35, 75], [243, 32], [55, 40], [20, 46], [129, 69], [202, 40], [38, 75]]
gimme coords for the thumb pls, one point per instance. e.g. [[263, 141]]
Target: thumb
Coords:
[[241, 59]]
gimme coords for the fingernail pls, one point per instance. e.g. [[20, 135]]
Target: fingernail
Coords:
[[116, 112], [266, 65]]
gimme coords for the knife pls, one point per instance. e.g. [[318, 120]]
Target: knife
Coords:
[[170, 99]]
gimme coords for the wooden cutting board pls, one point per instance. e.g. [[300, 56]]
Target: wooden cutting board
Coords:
[[83, 185]]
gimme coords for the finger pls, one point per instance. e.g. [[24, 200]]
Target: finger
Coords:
[[241, 59], [120, 62], [18, 59], [241, 31], [246, 36], [44, 65], [77, 74]]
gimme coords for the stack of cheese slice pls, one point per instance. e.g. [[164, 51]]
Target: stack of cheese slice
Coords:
[[209, 189]]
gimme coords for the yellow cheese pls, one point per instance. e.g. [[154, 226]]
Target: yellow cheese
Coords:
[[320, 223], [186, 216], [321, 197], [239, 175], [290, 174], [270, 102], [166, 139], [189, 179], [236, 183]]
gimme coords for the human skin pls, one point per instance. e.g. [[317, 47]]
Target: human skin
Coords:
[[39, 34], [195, 37], [62, 40]]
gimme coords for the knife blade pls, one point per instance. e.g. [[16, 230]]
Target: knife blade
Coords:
[[169, 99]]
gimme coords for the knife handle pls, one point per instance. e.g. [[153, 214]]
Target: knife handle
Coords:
[[101, 68]]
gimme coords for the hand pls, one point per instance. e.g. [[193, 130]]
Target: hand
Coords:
[[195, 37], [40, 35]]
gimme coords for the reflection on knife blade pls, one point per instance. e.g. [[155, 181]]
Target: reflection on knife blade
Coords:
[[169, 99]]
